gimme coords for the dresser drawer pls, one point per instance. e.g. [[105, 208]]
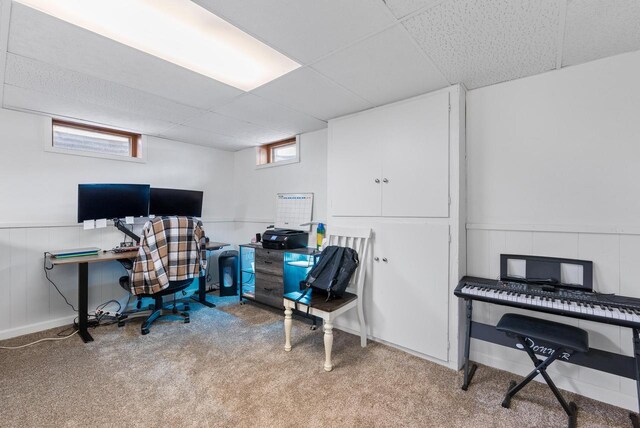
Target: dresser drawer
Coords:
[[269, 261], [269, 289]]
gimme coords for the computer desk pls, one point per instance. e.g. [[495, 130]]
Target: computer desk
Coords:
[[108, 256]]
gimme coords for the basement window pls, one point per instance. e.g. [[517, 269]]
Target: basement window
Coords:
[[94, 140], [281, 153]]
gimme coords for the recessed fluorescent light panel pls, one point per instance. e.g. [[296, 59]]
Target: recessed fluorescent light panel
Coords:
[[178, 31]]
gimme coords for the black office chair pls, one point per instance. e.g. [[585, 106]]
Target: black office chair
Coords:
[[562, 340], [157, 310], [173, 232]]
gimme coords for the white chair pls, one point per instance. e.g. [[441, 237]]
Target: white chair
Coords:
[[316, 304]]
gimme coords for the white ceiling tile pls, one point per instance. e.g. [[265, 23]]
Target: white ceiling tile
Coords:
[[402, 8], [37, 35], [384, 68], [235, 128], [304, 29], [254, 109], [482, 43], [204, 138], [30, 100], [308, 91], [600, 28], [46, 78]]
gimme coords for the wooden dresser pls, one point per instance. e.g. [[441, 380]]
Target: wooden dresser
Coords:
[[262, 273]]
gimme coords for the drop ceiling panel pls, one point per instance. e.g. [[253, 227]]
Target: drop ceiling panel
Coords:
[[204, 138], [402, 8], [266, 113], [41, 77], [482, 43], [235, 128], [30, 100], [308, 91], [384, 68], [600, 28], [305, 30], [36, 35]]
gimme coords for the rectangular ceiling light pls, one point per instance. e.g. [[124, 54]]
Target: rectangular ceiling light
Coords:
[[178, 31]]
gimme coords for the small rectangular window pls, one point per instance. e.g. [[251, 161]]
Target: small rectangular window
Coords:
[[280, 151], [93, 139]]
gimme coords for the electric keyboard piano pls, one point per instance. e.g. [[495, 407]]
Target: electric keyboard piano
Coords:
[[605, 308], [547, 294]]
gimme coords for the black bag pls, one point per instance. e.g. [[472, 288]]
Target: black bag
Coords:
[[333, 272]]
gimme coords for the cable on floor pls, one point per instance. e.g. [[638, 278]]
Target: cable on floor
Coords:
[[46, 339]]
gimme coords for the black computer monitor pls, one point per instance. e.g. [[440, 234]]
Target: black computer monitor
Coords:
[[175, 202], [112, 201]]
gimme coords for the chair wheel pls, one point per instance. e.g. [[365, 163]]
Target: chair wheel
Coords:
[[145, 331], [313, 328], [174, 310], [187, 320], [187, 307], [120, 323]]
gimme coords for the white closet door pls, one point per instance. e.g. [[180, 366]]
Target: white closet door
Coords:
[[409, 292], [355, 165], [415, 156]]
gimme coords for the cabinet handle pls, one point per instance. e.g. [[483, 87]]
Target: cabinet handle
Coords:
[[385, 260], [266, 262], [377, 180], [377, 259], [385, 180]]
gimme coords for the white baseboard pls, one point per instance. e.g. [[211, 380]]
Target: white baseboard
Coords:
[[36, 327], [449, 364]]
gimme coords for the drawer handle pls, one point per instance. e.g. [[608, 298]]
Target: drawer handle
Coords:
[[267, 289], [266, 262]]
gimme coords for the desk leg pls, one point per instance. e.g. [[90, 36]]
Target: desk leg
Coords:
[[468, 371], [636, 353], [83, 302], [202, 291]]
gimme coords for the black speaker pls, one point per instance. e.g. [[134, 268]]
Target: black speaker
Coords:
[[228, 273]]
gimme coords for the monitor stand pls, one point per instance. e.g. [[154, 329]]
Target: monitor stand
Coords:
[[124, 229]]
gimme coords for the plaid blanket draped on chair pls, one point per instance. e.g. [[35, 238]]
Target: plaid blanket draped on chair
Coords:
[[172, 249]]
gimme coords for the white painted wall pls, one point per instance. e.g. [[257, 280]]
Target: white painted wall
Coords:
[[38, 194], [255, 189], [552, 163]]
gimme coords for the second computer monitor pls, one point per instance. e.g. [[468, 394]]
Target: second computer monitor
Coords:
[[175, 202]]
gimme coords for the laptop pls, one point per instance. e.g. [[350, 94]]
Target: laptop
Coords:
[[75, 252]]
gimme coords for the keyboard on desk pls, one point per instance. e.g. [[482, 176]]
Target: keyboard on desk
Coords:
[[605, 308], [118, 250]]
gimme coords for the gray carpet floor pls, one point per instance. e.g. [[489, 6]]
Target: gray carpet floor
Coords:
[[228, 368]]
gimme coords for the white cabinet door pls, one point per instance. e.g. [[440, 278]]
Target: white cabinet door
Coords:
[[409, 294], [355, 165], [415, 156]]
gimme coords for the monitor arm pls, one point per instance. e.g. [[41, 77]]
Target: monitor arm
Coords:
[[124, 229]]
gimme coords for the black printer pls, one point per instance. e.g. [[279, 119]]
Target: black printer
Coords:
[[284, 239]]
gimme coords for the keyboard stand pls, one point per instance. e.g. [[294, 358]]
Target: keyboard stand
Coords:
[[468, 371], [636, 353]]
